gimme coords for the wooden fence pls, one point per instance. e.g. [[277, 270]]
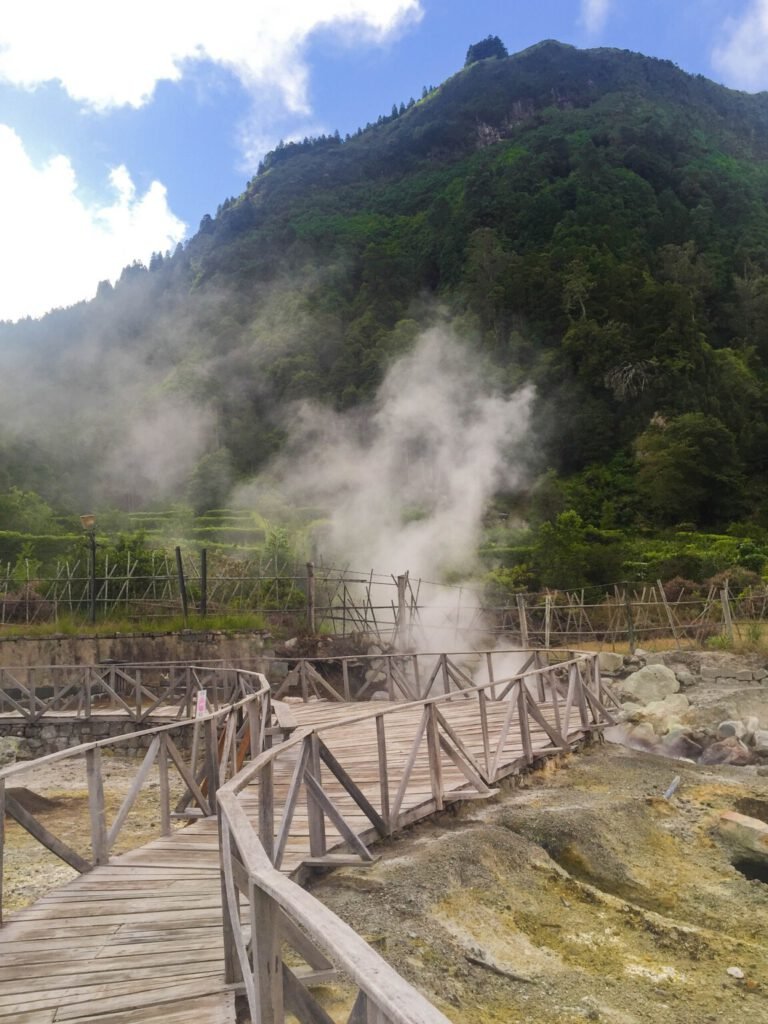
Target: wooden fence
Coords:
[[399, 610], [221, 740], [564, 701]]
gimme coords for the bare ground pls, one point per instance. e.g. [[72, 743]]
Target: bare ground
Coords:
[[581, 895]]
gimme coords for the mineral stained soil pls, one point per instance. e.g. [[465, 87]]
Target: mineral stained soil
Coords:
[[581, 894]]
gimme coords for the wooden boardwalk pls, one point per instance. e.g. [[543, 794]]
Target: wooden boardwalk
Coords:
[[140, 939]]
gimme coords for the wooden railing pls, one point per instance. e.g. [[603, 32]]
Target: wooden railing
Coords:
[[563, 701], [401, 676], [217, 744], [135, 692]]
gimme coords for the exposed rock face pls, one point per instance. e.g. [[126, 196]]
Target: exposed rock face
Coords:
[[744, 832]]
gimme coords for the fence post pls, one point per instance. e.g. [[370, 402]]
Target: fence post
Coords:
[[401, 633], [630, 623], [203, 582], [311, 598], [727, 620], [523, 621], [182, 585]]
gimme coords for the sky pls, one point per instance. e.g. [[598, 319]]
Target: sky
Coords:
[[120, 127]]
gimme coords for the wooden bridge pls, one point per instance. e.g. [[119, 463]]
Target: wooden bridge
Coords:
[[178, 928]]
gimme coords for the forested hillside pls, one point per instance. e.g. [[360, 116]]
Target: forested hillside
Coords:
[[594, 223]]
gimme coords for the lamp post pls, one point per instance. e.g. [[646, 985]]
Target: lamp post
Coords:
[[88, 523]]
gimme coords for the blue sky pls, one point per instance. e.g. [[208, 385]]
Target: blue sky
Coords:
[[120, 127]]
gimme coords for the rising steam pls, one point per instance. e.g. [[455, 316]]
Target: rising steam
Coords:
[[405, 483]]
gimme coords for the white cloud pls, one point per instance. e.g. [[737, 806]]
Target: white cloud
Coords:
[[594, 14], [108, 55], [742, 58], [56, 247]]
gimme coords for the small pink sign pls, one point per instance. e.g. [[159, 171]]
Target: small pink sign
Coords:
[[202, 702]]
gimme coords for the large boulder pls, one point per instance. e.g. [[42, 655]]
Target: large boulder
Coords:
[[651, 683], [728, 751]]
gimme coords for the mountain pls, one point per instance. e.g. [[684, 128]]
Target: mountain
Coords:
[[593, 221]]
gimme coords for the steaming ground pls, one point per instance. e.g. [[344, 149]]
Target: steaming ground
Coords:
[[406, 481], [581, 895]]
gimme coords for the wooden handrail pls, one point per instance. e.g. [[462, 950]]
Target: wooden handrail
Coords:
[[243, 723], [251, 860]]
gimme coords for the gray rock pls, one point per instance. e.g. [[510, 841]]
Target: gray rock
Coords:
[[610, 662], [760, 742], [734, 727], [679, 743], [654, 682], [685, 678], [763, 771], [728, 751], [9, 749]]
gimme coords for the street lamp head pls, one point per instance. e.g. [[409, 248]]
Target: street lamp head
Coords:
[[88, 522]]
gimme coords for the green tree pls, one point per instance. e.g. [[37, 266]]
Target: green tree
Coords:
[[689, 470], [491, 46]]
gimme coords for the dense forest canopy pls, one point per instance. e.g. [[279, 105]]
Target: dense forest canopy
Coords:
[[594, 223]]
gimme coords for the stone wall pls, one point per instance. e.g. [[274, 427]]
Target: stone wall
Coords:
[[47, 736], [188, 645]]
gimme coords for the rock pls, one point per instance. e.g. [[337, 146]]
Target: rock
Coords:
[[654, 682], [735, 972], [763, 771], [679, 743], [753, 727], [685, 678], [610, 662], [728, 751], [9, 749], [290, 644], [664, 714], [760, 742], [641, 736], [745, 832], [734, 727]]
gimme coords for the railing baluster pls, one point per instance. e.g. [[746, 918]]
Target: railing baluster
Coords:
[[96, 807], [165, 792], [381, 748], [433, 752], [318, 846]]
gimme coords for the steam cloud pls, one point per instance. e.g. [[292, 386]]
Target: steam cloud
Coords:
[[406, 482]]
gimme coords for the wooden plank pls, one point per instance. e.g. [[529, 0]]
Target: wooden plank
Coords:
[[44, 837]]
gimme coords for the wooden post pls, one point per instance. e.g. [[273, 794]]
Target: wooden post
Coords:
[[211, 761], [345, 678], [401, 631], [315, 816], [182, 585], [630, 623], [668, 610], [433, 751], [547, 620], [523, 621], [2, 843], [264, 915], [203, 583], [165, 792], [381, 745], [96, 806], [266, 811], [727, 620], [311, 598]]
